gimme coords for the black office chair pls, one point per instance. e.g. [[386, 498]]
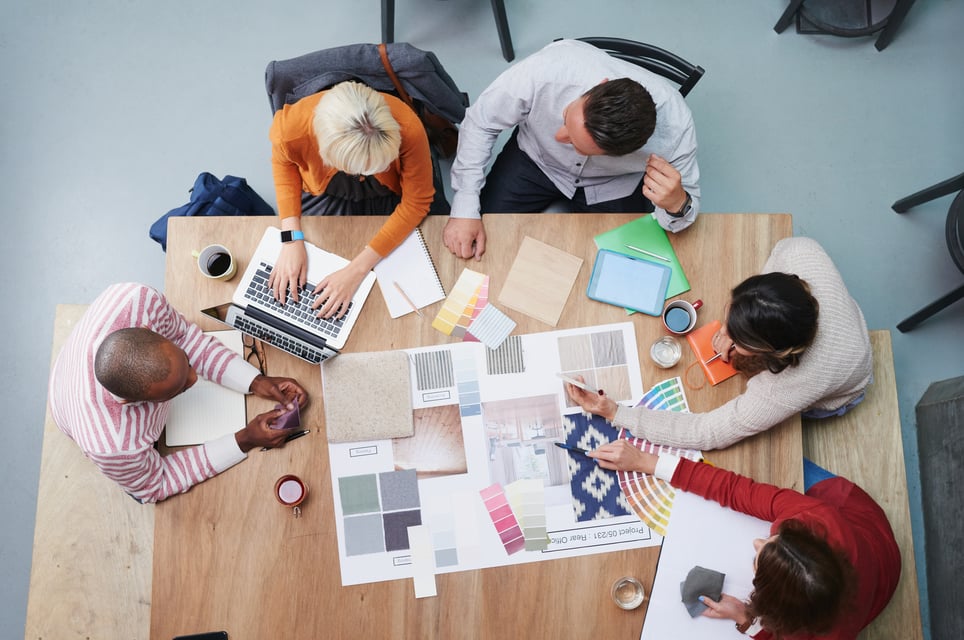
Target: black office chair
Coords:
[[954, 234], [660, 61], [846, 18], [498, 10]]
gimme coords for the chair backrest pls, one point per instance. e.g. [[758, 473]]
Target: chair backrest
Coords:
[[420, 72], [650, 57]]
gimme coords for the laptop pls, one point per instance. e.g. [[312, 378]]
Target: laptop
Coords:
[[294, 327]]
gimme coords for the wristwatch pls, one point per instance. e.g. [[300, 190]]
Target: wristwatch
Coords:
[[290, 236], [685, 209]]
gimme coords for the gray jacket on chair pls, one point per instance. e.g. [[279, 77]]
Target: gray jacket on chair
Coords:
[[420, 72]]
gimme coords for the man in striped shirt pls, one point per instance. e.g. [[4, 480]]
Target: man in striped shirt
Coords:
[[110, 388]]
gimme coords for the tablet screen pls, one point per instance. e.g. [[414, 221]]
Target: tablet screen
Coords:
[[629, 282]]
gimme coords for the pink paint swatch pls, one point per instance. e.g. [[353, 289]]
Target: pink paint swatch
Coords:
[[506, 524]]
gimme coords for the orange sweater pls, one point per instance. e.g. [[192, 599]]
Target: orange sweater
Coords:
[[297, 166]]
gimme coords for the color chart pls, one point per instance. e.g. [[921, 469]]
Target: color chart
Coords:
[[648, 496], [528, 501], [460, 306], [506, 524]]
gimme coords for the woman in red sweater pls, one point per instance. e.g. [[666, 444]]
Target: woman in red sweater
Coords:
[[829, 567]]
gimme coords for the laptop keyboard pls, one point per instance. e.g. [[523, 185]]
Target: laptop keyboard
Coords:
[[300, 312], [278, 339]]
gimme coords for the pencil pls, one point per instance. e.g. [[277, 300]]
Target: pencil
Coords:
[[649, 253], [407, 299], [581, 385]]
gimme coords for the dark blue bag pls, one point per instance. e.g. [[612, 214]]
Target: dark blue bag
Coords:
[[213, 197]]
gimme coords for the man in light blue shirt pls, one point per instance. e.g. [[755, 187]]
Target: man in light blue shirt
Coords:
[[602, 133]]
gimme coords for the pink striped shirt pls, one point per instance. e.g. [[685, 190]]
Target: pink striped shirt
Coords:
[[119, 437]]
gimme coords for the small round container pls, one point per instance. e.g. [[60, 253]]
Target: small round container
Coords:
[[666, 352], [628, 593]]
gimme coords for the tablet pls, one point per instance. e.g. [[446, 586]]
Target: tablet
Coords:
[[629, 282]]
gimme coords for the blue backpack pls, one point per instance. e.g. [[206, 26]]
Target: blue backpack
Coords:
[[213, 197]]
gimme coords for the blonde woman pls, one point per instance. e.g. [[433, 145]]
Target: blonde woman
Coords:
[[349, 150]]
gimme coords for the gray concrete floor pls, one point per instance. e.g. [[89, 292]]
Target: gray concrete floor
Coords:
[[112, 108]]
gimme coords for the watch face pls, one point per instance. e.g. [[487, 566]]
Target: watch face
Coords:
[[286, 236]]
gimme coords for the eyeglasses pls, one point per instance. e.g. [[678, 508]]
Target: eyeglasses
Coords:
[[254, 353]]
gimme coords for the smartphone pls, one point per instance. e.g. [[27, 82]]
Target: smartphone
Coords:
[[210, 635]]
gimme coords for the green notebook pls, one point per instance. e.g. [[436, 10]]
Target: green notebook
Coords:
[[645, 233]]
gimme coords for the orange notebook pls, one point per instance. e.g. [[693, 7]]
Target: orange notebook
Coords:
[[701, 341]]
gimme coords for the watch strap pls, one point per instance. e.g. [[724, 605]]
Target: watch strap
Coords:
[[291, 236], [687, 205]]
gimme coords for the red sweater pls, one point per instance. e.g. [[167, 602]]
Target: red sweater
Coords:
[[852, 520]]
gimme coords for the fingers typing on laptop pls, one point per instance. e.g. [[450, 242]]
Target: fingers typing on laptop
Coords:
[[290, 273], [335, 292]]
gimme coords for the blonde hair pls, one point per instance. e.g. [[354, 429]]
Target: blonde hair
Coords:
[[355, 129]]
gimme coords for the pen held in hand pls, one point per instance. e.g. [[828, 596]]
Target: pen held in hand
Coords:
[[569, 447], [717, 355], [648, 253], [292, 436], [581, 385]]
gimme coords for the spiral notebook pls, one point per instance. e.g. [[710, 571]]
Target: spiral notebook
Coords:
[[701, 340], [409, 269]]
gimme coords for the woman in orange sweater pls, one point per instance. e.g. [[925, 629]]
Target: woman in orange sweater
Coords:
[[349, 150]]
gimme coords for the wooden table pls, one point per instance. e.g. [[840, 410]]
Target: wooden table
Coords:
[[227, 556]]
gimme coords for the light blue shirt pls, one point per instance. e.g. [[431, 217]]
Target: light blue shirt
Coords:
[[533, 94]]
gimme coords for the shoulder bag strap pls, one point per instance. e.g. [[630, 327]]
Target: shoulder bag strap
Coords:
[[383, 52]]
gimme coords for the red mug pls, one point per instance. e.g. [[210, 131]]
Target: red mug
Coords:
[[679, 316], [291, 491]]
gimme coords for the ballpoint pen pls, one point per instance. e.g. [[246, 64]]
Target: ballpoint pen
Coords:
[[648, 253], [718, 355], [291, 436], [569, 447]]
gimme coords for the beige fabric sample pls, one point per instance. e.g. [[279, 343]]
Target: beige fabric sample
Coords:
[[540, 281], [368, 396]]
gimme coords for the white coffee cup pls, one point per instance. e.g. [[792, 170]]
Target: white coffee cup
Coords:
[[216, 262], [679, 316]]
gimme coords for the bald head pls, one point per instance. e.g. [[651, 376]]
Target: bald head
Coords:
[[137, 364]]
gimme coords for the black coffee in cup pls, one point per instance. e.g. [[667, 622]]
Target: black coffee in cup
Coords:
[[218, 264]]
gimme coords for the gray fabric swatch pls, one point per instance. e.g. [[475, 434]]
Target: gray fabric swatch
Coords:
[[700, 582]]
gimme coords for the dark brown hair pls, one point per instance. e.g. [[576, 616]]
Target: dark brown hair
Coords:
[[619, 115], [774, 316], [128, 361], [802, 584]]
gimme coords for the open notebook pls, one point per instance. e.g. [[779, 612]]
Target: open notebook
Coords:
[[409, 268], [208, 410]]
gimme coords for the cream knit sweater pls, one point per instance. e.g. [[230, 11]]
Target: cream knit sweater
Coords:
[[834, 370]]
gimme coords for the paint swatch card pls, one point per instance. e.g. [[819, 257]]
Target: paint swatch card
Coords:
[[506, 524], [528, 500], [460, 306]]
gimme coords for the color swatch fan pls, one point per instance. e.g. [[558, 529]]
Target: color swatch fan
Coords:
[[649, 497]]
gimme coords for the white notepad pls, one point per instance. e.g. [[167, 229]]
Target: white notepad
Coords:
[[207, 410], [410, 266]]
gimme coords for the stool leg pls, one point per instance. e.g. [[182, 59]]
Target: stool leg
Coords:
[[931, 309], [893, 22], [502, 24], [787, 16], [388, 21]]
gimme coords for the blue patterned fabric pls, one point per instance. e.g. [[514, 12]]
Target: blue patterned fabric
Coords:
[[595, 491]]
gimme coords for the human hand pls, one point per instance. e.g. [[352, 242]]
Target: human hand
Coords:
[[620, 455], [334, 293], [465, 237], [290, 272], [722, 344], [283, 390], [258, 432], [663, 185], [728, 608], [592, 402]]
